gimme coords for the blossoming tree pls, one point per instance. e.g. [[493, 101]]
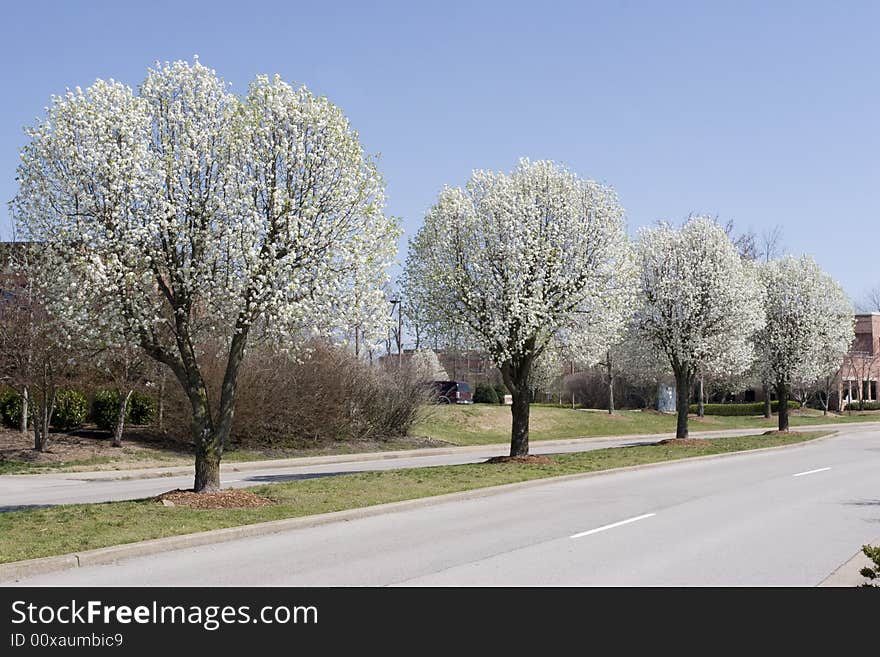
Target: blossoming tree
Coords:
[[809, 326], [701, 303], [517, 261], [193, 213]]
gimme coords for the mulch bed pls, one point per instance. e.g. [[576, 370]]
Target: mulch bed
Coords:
[[688, 442], [233, 498], [534, 459]]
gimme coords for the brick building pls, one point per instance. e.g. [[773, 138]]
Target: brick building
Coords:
[[860, 370]]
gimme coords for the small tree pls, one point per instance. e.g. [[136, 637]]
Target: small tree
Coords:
[[426, 364], [701, 303], [809, 326], [20, 320], [547, 372], [518, 260], [870, 302], [196, 215], [125, 365], [36, 345]]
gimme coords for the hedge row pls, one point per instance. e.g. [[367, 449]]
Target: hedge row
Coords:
[[72, 409], [756, 408], [868, 406], [105, 408], [486, 393]]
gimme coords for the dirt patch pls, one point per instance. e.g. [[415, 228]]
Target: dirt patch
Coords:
[[777, 432], [533, 459], [225, 499], [140, 446], [686, 442], [615, 416]]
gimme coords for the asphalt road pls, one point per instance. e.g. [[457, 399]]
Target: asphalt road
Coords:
[[784, 517], [22, 491]]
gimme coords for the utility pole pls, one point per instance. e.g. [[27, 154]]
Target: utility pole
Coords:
[[399, 337]]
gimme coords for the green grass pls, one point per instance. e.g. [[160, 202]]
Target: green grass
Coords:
[[481, 424], [35, 533]]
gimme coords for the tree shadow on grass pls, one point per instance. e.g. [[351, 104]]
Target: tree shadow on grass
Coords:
[[267, 479], [24, 507]]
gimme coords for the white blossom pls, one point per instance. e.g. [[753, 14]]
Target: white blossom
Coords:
[[702, 302], [183, 211], [809, 323], [427, 365], [517, 261]]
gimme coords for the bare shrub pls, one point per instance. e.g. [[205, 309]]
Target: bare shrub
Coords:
[[327, 395]]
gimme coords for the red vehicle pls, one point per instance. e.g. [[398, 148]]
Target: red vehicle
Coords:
[[452, 392]]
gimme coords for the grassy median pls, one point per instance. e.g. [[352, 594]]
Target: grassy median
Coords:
[[481, 424], [35, 533]]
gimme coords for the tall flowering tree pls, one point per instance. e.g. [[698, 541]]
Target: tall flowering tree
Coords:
[[191, 213], [809, 326], [519, 261], [701, 303]]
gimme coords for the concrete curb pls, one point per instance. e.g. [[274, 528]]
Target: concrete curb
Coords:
[[19, 569], [849, 573], [501, 448]]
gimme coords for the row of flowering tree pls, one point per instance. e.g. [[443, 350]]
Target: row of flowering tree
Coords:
[[180, 212], [537, 263]]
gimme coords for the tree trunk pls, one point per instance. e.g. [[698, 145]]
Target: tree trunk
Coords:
[[701, 411], [683, 385], [24, 409], [160, 412], [611, 396], [207, 466], [43, 420], [213, 438], [515, 374], [120, 420], [768, 406], [207, 446], [782, 394], [609, 365], [519, 434]]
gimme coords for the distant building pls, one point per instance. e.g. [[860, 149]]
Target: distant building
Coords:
[[861, 366], [471, 366]]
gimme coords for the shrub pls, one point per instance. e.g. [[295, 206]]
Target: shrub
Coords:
[[325, 395], [756, 408], [868, 406], [71, 409], [105, 407], [485, 393], [10, 408], [141, 409], [500, 392], [872, 572]]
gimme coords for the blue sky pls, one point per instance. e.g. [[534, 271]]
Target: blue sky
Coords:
[[761, 112]]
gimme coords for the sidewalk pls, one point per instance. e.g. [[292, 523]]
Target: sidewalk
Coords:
[[849, 574]]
